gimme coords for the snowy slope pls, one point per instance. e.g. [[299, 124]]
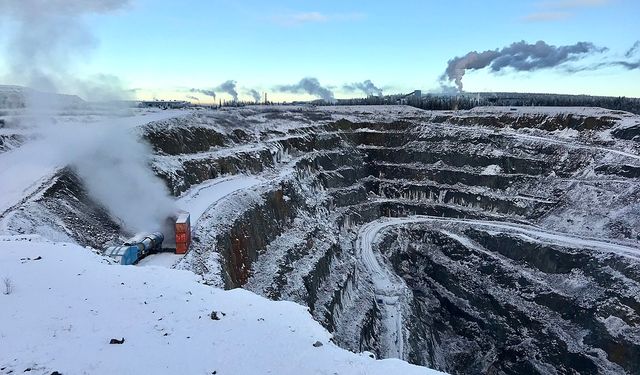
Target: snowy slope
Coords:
[[66, 306]]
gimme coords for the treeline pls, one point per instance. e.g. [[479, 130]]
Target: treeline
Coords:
[[471, 100]]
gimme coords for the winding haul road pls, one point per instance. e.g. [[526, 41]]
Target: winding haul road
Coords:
[[197, 201], [391, 292], [389, 288]]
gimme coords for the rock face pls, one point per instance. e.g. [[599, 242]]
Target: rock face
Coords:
[[496, 240]]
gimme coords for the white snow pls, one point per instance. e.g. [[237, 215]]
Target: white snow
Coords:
[[492, 170], [166, 260], [66, 306]]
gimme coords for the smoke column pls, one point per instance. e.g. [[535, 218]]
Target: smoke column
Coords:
[[310, 86], [255, 95], [519, 56], [210, 93], [367, 87], [229, 87], [47, 38]]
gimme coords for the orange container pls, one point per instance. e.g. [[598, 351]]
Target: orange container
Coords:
[[181, 237], [181, 248], [183, 232]]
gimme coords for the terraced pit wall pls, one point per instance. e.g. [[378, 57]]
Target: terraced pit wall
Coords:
[[493, 303], [496, 241]]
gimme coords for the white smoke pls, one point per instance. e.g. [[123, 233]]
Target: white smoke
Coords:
[[254, 94], [207, 92], [520, 56], [310, 86], [47, 38], [113, 165], [367, 87], [229, 87]]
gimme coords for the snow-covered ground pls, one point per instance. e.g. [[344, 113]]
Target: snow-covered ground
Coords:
[[66, 304]]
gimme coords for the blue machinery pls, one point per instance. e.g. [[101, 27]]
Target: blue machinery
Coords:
[[136, 248]]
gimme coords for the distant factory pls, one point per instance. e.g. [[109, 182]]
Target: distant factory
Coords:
[[414, 98]]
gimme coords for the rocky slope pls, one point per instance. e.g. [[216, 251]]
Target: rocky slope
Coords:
[[496, 240]]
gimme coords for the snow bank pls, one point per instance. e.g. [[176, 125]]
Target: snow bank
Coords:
[[68, 303]]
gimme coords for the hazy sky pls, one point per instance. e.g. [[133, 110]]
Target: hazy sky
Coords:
[[163, 48]]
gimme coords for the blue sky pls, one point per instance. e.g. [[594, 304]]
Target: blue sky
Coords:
[[163, 47]]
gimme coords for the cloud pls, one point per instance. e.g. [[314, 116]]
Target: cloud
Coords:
[[310, 86], [302, 18], [546, 16], [559, 10], [572, 4], [520, 56]]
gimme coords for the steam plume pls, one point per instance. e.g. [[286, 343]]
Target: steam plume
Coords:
[[229, 87], [193, 97], [366, 87], [519, 56], [310, 86], [46, 38], [254, 94], [210, 93]]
